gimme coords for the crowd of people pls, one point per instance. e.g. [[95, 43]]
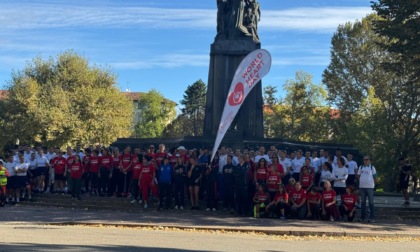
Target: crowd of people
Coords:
[[245, 182]]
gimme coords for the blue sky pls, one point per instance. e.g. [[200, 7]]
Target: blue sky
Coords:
[[165, 44]]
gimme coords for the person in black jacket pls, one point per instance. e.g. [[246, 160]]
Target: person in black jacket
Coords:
[[229, 183], [211, 180], [240, 172]]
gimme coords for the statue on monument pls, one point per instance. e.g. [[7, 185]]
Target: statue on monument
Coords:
[[237, 19]]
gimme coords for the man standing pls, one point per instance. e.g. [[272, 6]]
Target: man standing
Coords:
[[405, 173], [367, 180]]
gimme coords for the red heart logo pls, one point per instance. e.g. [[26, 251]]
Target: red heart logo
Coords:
[[237, 96]]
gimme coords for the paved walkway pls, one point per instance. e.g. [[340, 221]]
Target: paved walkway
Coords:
[[187, 219]]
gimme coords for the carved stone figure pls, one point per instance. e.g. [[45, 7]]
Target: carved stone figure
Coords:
[[238, 19]]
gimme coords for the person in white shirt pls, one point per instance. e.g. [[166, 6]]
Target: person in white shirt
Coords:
[[27, 153], [50, 156], [222, 163], [10, 166], [352, 167], [42, 164], [235, 160], [338, 155], [297, 164], [326, 174], [287, 166], [262, 155], [316, 163], [21, 182], [340, 174], [366, 174]]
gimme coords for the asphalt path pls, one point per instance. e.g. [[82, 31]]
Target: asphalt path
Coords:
[[30, 237]]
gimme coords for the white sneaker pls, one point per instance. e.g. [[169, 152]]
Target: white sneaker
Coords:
[[176, 207], [140, 201], [145, 205], [214, 209], [133, 201], [207, 209], [181, 207]]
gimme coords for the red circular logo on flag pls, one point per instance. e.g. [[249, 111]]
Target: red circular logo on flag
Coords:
[[237, 96]]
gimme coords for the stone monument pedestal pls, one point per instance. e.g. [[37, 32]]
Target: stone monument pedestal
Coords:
[[225, 57]]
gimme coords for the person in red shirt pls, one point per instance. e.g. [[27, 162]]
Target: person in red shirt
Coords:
[[314, 203], [329, 203], [59, 165], [134, 188], [105, 172], [160, 155], [69, 163], [261, 200], [273, 180], [115, 174], [94, 172], [147, 179], [126, 171], [260, 175], [279, 167], [348, 206], [298, 202], [76, 172], [290, 187], [306, 178], [280, 202]]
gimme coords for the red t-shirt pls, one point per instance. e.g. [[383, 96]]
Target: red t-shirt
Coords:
[[126, 161], [261, 173], [77, 170], [70, 161], [313, 197], [290, 189], [136, 169], [306, 180], [273, 181], [159, 158], [94, 164], [349, 200], [106, 161], [299, 196], [116, 162], [282, 196], [262, 197], [251, 170], [279, 168], [147, 171], [328, 196], [59, 164]]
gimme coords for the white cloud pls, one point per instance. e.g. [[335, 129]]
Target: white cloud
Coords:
[[41, 16], [165, 61]]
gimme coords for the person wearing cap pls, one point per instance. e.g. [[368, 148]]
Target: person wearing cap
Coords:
[[183, 153], [367, 180], [180, 175]]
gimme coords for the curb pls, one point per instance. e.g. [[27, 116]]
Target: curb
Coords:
[[238, 230]]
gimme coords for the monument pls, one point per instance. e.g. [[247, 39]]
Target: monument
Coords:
[[236, 37]]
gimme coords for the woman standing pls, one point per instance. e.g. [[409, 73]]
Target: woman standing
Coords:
[[340, 174], [147, 179], [126, 169], [42, 164], [260, 175], [76, 172], [194, 176], [105, 172], [180, 174]]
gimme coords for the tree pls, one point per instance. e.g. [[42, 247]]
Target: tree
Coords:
[[399, 22], [194, 103], [301, 115], [379, 109], [156, 114], [64, 101], [270, 101]]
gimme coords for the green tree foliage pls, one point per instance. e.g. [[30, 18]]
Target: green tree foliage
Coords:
[[65, 101], [156, 114], [194, 103], [270, 103], [301, 115], [399, 22], [379, 109]]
